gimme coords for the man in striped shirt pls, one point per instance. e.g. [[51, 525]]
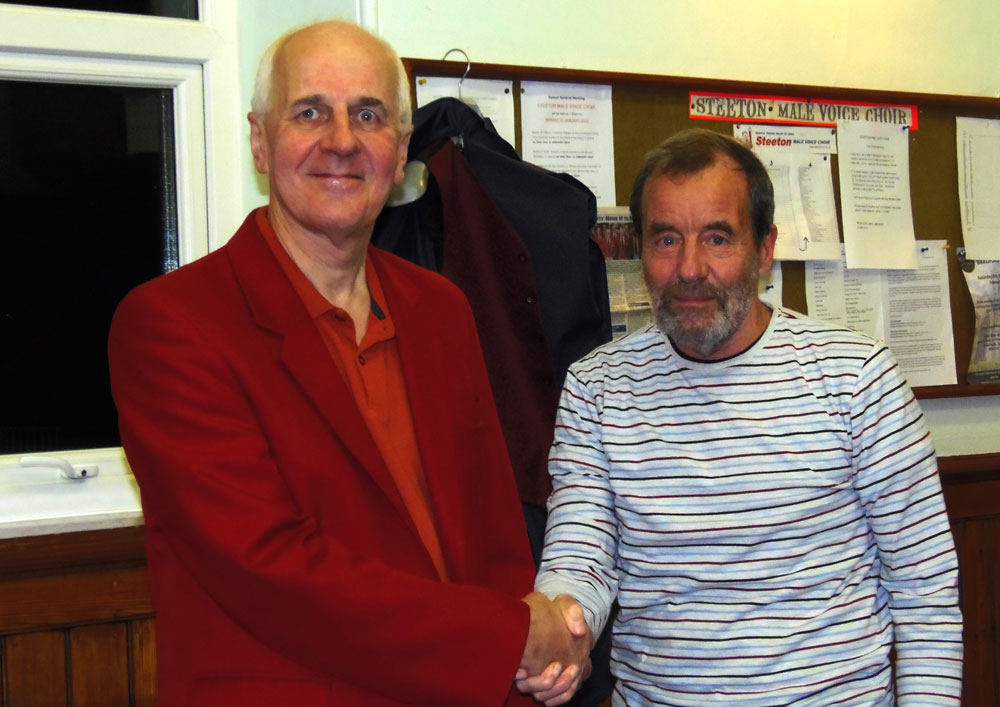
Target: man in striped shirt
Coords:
[[758, 490]]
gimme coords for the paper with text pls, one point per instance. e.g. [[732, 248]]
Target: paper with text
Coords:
[[805, 212], [910, 310], [568, 128], [493, 98], [979, 186], [787, 138], [874, 162]]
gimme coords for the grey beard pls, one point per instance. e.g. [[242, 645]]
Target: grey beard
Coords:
[[734, 306]]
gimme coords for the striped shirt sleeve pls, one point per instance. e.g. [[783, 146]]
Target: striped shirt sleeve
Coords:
[[581, 537], [895, 475]]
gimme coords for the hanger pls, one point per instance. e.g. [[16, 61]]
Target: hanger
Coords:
[[468, 67], [415, 172]]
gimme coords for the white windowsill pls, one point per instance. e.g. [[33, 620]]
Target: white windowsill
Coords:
[[39, 501]]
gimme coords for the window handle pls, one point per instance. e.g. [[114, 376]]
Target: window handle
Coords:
[[70, 471]]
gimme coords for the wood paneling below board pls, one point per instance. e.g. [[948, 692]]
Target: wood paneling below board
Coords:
[[77, 627]]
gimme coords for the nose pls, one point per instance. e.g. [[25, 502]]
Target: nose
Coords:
[[338, 136], [691, 265]]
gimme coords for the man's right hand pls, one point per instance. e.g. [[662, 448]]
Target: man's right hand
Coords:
[[557, 654]]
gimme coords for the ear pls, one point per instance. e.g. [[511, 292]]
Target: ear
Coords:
[[404, 146], [258, 142], [767, 249]]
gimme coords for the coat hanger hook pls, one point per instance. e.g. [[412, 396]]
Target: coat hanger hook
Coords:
[[468, 67]]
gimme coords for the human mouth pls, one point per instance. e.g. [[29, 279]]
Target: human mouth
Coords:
[[337, 180], [692, 298]]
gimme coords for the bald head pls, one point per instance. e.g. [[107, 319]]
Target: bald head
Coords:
[[271, 68]]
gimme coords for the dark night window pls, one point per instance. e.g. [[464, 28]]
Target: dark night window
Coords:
[[183, 9], [87, 193]]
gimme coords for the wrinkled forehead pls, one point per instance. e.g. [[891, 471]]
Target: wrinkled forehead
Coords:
[[721, 187]]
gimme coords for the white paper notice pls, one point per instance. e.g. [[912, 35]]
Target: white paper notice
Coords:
[[804, 209], [875, 195], [568, 128], [983, 280], [495, 99], [787, 138], [919, 318], [865, 302], [825, 291], [908, 309], [979, 186]]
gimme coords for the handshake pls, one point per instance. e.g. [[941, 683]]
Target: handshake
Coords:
[[557, 654]]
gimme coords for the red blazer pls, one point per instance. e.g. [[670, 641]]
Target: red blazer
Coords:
[[284, 568]]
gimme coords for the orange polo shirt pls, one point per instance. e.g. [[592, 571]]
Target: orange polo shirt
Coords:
[[374, 374]]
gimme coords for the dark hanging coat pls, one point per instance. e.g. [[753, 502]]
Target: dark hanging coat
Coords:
[[516, 239]]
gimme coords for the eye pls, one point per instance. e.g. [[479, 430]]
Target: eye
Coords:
[[717, 239], [367, 115], [309, 114], [664, 242]]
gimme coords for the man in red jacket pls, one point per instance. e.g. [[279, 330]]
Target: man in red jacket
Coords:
[[331, 516]]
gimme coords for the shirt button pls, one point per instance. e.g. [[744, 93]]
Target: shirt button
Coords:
[[361, 359], [523, 258], [530, 299]]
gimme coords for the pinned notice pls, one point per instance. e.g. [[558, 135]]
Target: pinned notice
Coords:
[[568, 128], [875, 195], [804, 209], [908, 309], [979, 186], [493, 98]]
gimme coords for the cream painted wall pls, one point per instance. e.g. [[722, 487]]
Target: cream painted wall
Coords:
[[906, 45], [260, 23], [928, 46]]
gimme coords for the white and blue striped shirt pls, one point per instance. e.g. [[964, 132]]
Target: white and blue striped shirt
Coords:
[[771, 524]]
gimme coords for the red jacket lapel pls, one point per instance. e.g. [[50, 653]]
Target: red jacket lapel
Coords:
[[276, 306]]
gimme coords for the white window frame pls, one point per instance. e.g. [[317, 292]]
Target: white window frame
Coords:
[[197, 60]]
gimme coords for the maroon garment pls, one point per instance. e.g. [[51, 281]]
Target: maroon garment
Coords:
[[486, 258]]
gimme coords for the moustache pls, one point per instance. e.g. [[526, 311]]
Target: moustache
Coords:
[[703, 291]]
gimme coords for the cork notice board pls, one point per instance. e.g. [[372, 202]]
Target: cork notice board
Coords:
[[649, 108]]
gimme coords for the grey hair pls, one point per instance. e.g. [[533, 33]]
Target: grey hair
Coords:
[[260, 103], [689, 152]]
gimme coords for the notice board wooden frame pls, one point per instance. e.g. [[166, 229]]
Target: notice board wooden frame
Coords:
[[648, 108]]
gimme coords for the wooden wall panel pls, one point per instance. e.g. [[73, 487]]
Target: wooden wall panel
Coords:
[[68, 599], [972, 494], [66, 604], [142, 651], [978, 556], [99, 665], [35, 670], [76, 621]]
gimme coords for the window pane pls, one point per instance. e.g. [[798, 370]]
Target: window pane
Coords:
[[87, 193], [183, 9]]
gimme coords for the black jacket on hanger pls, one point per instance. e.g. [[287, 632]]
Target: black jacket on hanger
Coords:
[[516, 239]]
